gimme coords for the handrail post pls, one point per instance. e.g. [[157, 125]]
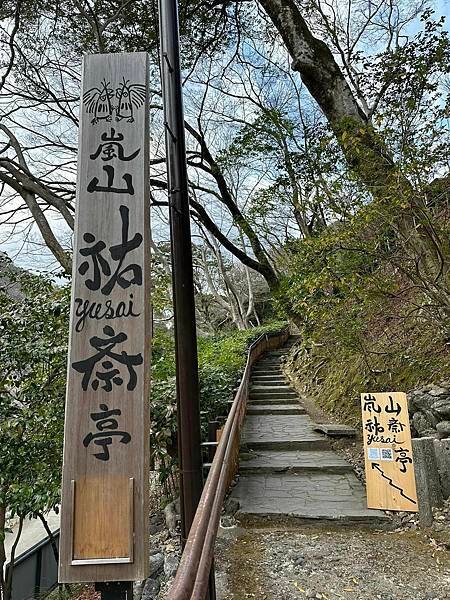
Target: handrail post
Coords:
[[213, 426]]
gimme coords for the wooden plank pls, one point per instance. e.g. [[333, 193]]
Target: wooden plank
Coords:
[[96, 536], [389, 463], [104, 521]]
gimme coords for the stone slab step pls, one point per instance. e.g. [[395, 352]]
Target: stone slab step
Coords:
[[276, 360], [269, 377], [266, 389], [306, 496], [273, 401], [281, 432], [334, 430], [269, 363], [292, 461], [274, 388], [268, 382], [271, 395], [276, 375], [275, 409]]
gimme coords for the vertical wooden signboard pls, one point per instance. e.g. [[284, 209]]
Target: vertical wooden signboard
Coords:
[[390, 478], [104, 535]]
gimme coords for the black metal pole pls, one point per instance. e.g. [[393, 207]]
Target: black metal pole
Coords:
[[189, 437]]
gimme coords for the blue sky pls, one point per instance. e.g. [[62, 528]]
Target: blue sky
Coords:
[[443, 7]]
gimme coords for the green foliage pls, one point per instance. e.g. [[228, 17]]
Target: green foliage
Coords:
[[33, 351], [33, 356]]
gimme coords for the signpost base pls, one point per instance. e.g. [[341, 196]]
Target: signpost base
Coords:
[[115, 590]]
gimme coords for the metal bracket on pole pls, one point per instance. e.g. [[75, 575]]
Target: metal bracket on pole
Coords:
[[115, 590], [166, 58], [171, 133]]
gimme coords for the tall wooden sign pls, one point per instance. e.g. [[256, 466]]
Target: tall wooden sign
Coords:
[[390, 478], [104, 534]]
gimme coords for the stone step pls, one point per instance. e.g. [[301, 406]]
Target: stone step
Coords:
[[277, 379], [310, 496], [281, 432], [273, 401], [292, 461], [275, 409], [269, 363], [268, 382], [335, 430], [270, 377], [268, 389], [260, 394], [296, 443], [268, 374]]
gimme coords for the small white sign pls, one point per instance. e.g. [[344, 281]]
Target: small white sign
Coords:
[[373, 453]]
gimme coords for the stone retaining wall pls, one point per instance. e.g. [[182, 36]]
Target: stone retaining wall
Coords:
[[429, 410]]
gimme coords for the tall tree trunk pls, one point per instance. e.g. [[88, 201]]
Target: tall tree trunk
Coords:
[[2, 550], [7, 585], [362, 145]]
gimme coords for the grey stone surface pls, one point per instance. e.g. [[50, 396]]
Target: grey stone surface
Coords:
[[428, 485], [269, 380], [275, 409], [281, 431], [151, 589], [429, 407], [272, 395], [442, 451], [172, 514], [270, 389], [156, 564], [442, 406], [422, 424], [334, 430], [267, 383], [307, 496], [443, 428], [269, 401], [171, 565], [266, 461]]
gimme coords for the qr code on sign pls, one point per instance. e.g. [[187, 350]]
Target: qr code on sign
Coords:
[[387, 454]]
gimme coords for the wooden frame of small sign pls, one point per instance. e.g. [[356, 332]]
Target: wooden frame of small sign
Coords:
[[105, 491], [390, 478]]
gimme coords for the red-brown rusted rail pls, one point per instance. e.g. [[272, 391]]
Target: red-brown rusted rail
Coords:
[[191, 581]]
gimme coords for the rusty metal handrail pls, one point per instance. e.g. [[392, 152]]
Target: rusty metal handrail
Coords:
[[191, 581]]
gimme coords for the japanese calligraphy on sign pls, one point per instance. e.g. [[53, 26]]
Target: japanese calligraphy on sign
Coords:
[[390, 478], [105, 480]]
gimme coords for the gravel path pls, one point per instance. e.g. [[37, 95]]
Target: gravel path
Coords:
[[351, 563]]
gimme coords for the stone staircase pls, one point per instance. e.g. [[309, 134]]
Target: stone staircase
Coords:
[[286, 468]]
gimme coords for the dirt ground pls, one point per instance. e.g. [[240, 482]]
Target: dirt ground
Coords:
[[331, 563]]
